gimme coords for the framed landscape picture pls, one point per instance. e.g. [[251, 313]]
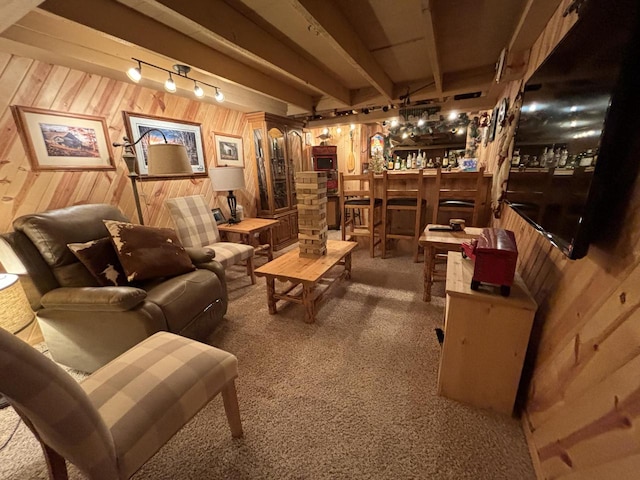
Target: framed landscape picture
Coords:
[[64, 141], [229, 152], [182, 132]]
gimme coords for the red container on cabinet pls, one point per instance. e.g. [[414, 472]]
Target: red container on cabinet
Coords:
[[495, 255]]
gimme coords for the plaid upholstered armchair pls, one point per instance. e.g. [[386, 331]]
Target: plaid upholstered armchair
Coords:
[[196, 227], [115, 420]]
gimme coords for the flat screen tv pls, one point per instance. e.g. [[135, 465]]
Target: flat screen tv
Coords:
[[577, 143]]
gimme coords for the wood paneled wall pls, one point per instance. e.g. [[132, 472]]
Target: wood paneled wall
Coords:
[[582, 380], [28, 82]]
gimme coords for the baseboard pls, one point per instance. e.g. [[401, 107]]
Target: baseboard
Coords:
[[533, 451]]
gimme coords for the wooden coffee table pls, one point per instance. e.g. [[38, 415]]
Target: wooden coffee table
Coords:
[[307, 272], [439, 241]]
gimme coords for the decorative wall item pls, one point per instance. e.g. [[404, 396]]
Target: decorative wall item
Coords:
[[182, 132], [376, 144], [229, 151], [64, 141]]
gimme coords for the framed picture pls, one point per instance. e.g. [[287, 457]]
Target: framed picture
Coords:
[[218, 215], [376, 143], [186, 133], [64, 141], [229, 152]]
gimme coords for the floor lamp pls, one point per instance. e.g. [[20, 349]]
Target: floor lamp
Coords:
[[228, 179], [162, 159], [15, 313]]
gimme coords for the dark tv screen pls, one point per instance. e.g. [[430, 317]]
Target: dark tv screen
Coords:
[[575, 150]]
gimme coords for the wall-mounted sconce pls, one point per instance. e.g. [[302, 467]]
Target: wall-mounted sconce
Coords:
[[135, 74]]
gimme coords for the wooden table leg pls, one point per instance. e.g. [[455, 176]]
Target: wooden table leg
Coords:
[[428, 270], [270, 250], [309, 302], [347, 266], [271, 300]]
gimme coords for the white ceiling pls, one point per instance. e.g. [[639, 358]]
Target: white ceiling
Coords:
[[295, 57]]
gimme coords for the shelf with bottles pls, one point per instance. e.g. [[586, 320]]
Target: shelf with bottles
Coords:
[[445, 158], [552, 156]]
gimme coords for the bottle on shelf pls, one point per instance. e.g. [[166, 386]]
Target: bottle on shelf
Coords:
[[445, 161], [396, 165], [390, 163], [414, 161], [587, 159], [438, 163], [430, 163], [515, 159], [564, 156]]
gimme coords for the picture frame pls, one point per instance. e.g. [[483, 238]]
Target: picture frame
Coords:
[[229, 151], [376, 144], [219, 216], [56, 140], [182, 132]]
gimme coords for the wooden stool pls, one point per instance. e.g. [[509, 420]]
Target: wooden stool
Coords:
[[406, 195], [461, 193], [361, 199]]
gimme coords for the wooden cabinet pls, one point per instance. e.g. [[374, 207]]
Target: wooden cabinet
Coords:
[[485, 340], [277, 148]]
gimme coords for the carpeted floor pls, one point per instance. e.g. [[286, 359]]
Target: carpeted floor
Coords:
[[352, 396]]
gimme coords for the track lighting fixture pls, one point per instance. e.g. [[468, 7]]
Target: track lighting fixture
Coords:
[[170, 85], [135, 74]]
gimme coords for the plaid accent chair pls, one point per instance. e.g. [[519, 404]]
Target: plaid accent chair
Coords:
[[110, 424], [196, 227]]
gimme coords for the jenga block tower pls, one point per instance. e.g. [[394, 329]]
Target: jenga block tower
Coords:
[[311, 190]]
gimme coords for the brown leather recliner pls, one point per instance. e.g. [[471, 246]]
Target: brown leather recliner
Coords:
[[86, 325]]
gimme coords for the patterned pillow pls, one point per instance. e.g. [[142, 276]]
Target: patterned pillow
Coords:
[[101, 259], [148, 252]]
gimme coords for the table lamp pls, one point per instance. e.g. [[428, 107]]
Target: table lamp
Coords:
[[229, 179], [15, 310], [162, 159]]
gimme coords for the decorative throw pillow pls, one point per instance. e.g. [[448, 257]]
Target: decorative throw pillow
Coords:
[[148, 252], [101, 259]]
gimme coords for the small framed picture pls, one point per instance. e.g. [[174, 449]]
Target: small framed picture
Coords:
[[229, 151], [219, 216]]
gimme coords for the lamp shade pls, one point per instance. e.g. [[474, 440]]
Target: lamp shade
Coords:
[[15, 310], [168, 159], [226, 178]]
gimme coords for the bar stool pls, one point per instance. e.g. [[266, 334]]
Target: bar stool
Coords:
[[461, 192], [361, 199], [405, 197]]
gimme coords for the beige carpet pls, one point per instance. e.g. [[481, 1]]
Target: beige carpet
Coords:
[[352, 396]]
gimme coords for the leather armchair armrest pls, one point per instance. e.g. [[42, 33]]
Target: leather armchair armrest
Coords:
[[200, 254], [112, 299]]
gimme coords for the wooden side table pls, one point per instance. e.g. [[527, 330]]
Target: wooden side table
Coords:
[[248, 229], [444, 241], [485, 339]]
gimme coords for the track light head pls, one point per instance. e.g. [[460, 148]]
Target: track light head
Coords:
[[219, 95], [170, 85], [135, 73], [197, 90]]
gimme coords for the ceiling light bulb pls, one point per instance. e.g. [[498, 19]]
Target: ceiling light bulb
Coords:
[[339, 130], [421, 122], [219, 96], [325, 131], [405, 135], [394, 123], [197, 91], [353, 126], [453, 116], [170, 85], [134, 74]]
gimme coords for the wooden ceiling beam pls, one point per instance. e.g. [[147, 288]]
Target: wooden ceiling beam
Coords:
[[127, 24], [432, 46], [535, 16], [13, 10], [229, 27], [325, 17]]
